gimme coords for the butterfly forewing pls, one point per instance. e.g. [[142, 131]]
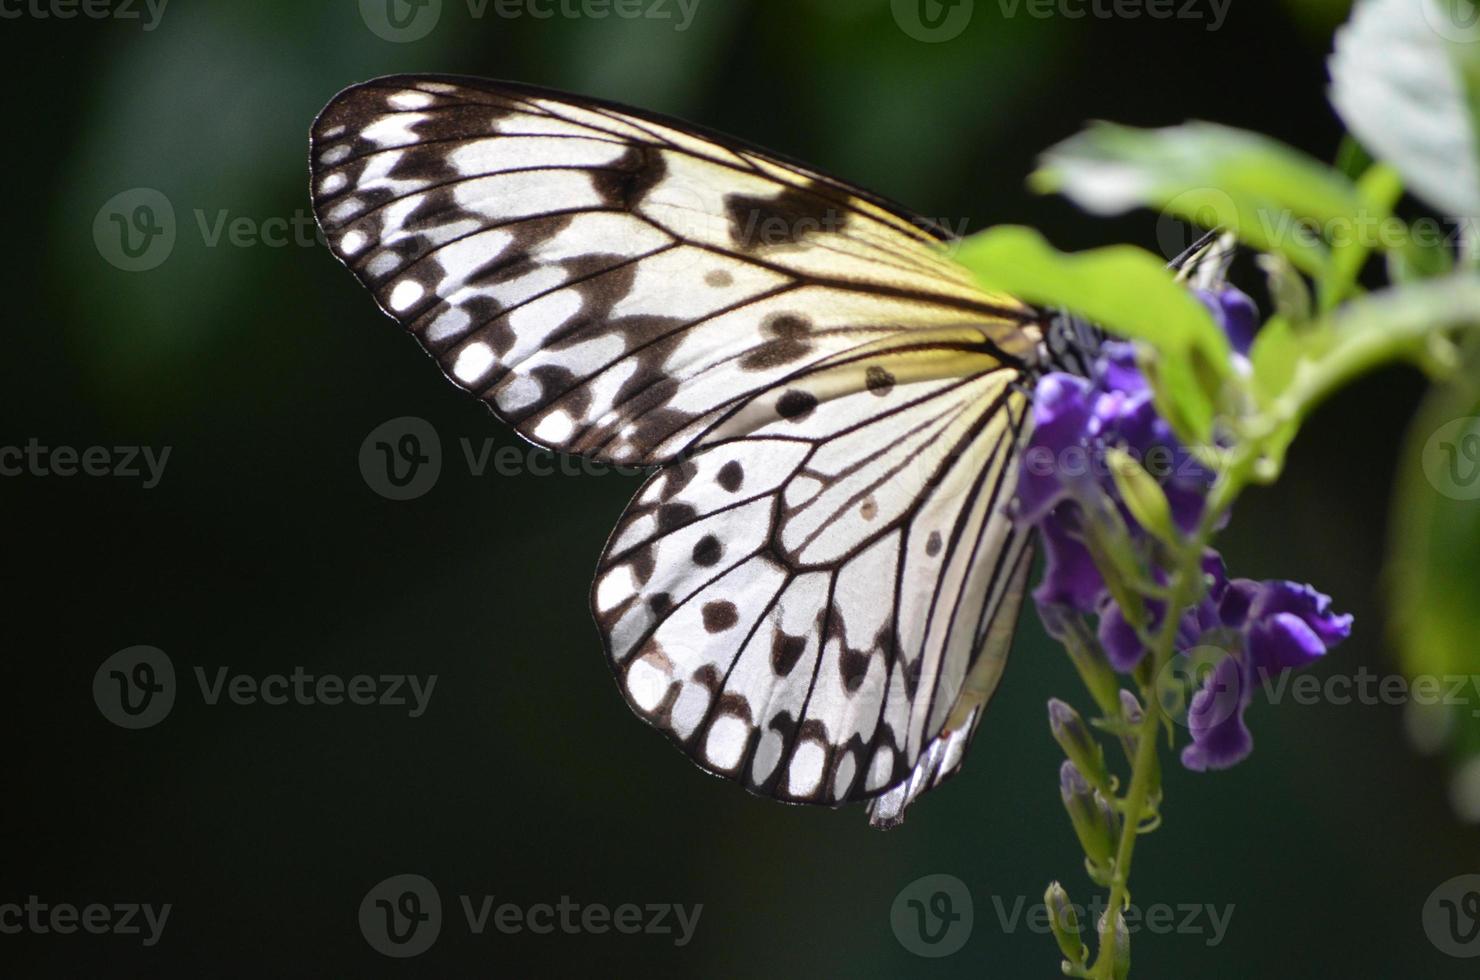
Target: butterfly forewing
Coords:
[[801, 595]]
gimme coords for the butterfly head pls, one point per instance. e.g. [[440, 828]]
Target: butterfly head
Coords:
[[1070, 343]]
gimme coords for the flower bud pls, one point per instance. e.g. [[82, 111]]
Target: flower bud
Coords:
[[1113, 551], [1094, 822], [1130, 708], [1287, 288], [1064, 922], [1068, 627], [1142, 495], [1132, 714], [1121, 950], [1074, 737]]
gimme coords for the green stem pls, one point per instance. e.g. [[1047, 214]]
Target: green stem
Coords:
[[1185, 587], [1143, 767], [1135, 802]]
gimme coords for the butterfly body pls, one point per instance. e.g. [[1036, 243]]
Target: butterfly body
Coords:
[[814, 593]]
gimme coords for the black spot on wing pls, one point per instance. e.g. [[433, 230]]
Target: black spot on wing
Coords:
[[677, 476], [796, 404], [785, 219], [879, 381], [627, 180], [786, 650], [788, 343], [707, 551], [671, 516], [731, 475], [719, 615], [853, 665]]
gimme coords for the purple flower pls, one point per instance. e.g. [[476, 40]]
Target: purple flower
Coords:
[[1279, 626], [1066, 491], [1235, 312], [1070, 577], [1064, 477]]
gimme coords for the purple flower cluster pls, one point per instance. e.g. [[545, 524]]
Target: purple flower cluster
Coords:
[[1277, 626], [1066, 491]]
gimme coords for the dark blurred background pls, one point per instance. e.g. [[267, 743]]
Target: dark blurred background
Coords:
[[263, 367]]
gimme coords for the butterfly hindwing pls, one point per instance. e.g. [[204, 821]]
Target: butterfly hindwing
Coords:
[[799, 607], [802, 595]]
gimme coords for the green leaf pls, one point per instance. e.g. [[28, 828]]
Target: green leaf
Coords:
[[1434, 554], [1379, 187], [1352, 157], [1401, 323], [1127, 291], [1405, 78], [1419, 259], [1296, 368], [1120, 287], [1265, 192], [1276, 350], [1433, 570]]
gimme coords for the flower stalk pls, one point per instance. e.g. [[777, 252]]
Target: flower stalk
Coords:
[[1132, 546]]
